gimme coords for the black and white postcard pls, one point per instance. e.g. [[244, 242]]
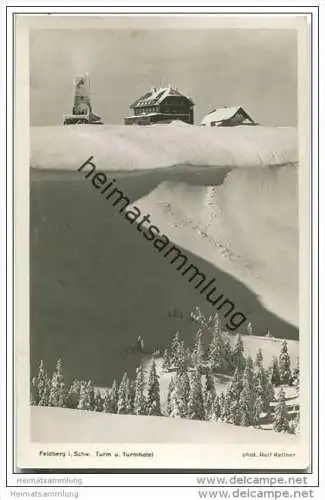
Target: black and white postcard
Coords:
[[162, 284]]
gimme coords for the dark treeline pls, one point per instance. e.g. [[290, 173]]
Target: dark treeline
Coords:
[[247, 398]]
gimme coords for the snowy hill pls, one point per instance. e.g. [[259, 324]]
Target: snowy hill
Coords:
[[90, 427]]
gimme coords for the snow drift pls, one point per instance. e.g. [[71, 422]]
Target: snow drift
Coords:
[[227, 196], [136, 148]]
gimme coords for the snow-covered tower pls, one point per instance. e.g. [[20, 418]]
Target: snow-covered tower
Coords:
[[82, 109]]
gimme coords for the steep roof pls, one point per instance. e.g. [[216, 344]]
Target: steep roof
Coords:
[[222, 114], [156, 96]]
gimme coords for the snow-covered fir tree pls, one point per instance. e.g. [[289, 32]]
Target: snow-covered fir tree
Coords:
[[183, 389], [74, 394], [132, 394], [196, 405], [123, 396], [284, 364], [216, 409], [233, 398], [175, 410], [86, 400], [226, 409], [110, 399], [227, 353], [247, 400], [263, 385], [236, 385], [275, 372], [238, 357], [40, 387], [128, 396], [216, 353], [259, 358], [113, 394], [153, 398], [180, 358], [171, 387], [140, 404], [281, 418], [209, 383], [166, 360], [208, 405], [174, 350], [296, 376], [198, 351], [91, 396], [107, 402], [294, 424], [57, 396], [98, 403]]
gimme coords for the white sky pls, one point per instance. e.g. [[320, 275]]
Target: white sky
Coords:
[[254, 68]]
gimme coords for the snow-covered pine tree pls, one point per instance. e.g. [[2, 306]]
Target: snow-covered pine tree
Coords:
[[57, 395], [247, 400], [296, 376], [91, 390], [195, 405], [74, 394], [98, 403], [198, 351], [222, 404], [281, 418], [227, 353], [122, 396], [216, 409], [226, 410], [180, 359], [171, 387], [33, 396], [232, 396], [41, 386], [208, 405], [174, 346], [153, 399], [259, 358], [113, 394], [285, 364], [209, 384], [275, 372], [209, 394], [294, 424], [236, 385], [213, 325], [166, 361], [263, 385], [139, 397], [107, 402], [128, 397], [216, 354], [238, 357], [45, 398], [85, 400], [182, 393], [132, 395]]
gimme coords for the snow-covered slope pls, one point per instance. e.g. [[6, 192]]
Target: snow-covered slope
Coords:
[[91, 427], [227, 196]]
